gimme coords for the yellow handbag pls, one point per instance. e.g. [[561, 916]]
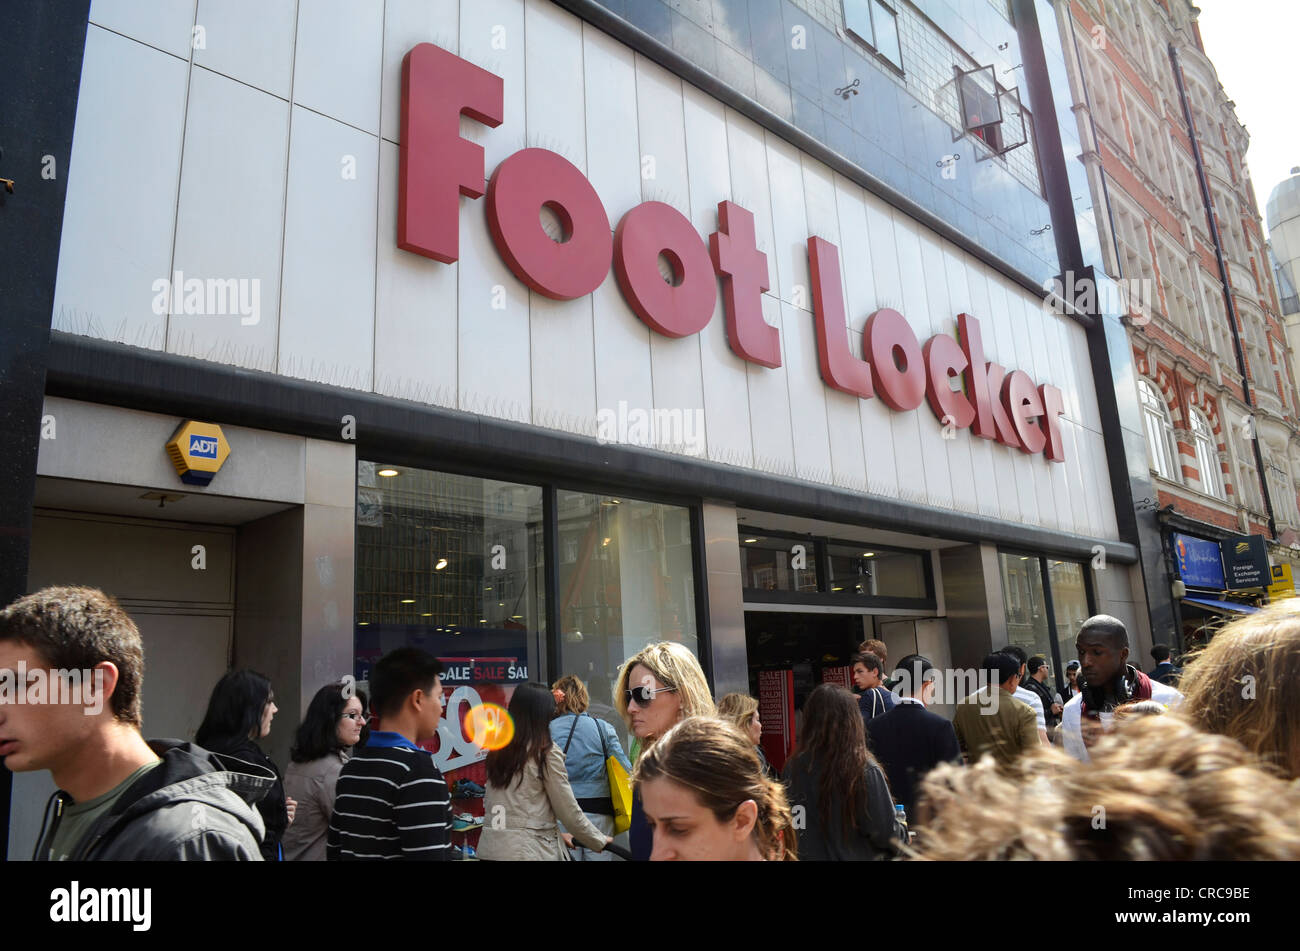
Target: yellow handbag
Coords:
[[620, 785]]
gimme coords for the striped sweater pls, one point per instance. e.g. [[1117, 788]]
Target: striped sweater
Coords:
[[391, 802]]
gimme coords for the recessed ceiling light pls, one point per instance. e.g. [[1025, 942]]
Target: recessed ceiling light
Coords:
[[388, 473], [868, 554], [408, 600], [750, 541], [605, 542], [430, 614], [442, 563], [362, 623]]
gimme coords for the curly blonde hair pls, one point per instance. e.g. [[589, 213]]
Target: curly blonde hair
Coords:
[[714, 760], [1157, 789], [1244, 685], [673, 665]]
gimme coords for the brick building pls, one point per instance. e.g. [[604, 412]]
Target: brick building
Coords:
[[1215, 381]]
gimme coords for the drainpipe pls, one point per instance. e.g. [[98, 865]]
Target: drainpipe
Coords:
[[1229, 305]]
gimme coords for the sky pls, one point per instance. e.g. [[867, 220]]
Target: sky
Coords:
[[1253, 45]]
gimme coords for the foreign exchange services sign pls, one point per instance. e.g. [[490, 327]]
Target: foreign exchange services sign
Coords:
[[437, 166], [1246, 561]]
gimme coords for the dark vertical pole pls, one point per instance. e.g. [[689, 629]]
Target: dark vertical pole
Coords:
[[1052, 640], [41, 47], [703, 630], [551, 546]]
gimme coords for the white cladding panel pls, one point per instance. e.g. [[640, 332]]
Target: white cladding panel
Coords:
[[262, 158]]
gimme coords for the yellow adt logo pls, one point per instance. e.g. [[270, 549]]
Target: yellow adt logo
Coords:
[[198, 450]]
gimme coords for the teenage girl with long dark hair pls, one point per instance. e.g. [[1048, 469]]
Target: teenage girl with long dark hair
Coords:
[[528, 790]]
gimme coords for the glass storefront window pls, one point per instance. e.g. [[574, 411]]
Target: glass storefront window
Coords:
[[626, 578], [769, 563], [453, 565], [1026, 606], [861, 569], [1070, 606]]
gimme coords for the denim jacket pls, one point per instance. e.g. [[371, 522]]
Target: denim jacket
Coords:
[[585, 762]]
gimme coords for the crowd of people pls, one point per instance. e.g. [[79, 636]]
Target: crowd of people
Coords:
[[1127, 766]]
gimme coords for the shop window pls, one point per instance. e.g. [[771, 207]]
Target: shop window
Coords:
[[770, 563], [631, 583], [875, 23], [1069, 610], [439, 554], [1160, 432], [1026, 604], [1207, 456], [1046, 602], [865, 570]]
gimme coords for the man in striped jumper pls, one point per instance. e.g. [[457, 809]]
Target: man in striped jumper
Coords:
[[391, 802]]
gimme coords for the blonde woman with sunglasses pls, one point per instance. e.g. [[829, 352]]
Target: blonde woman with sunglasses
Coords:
[[658, 687]]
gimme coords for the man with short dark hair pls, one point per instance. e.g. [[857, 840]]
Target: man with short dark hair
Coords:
[[868, 676], [1106, 680], [1024, 695], [1036, 682], [120, 797], [391, 801], [909, 740], [991, 720], [1165, 672]]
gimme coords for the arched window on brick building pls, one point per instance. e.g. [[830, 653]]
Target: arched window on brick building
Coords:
[[1160, 432], [1207, 455]]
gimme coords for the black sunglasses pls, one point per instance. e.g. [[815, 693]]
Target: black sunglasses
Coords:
[[644, 695]]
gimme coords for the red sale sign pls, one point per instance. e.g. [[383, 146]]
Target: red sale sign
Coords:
[[776, 713]]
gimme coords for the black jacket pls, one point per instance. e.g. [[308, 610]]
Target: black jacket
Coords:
[[824, 838], [245, 756], [1166, 673], [1048, 696], [909, 741], [188, 808]]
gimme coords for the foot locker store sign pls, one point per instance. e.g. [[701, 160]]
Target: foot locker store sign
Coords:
[[437, 166]]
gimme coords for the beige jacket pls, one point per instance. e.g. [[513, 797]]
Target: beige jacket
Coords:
[[519, 823]]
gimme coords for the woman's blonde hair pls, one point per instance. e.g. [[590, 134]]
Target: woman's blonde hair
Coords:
[[1244, 684], [714, 760], [738, 708], [674, 666], [1167, 792], [575, 699]]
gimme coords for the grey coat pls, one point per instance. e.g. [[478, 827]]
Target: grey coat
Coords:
[[186, 809], [520, 821]]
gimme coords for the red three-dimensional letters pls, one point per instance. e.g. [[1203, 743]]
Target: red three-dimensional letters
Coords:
[[840, 368], [743, 267], [436, 166]]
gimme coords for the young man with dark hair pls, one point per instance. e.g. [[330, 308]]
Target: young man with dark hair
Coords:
[[873, 646], [909, 740], [120, 797], [992, 720], [1036, 682], [868, 676], [1165, 672], [1106, 680], [1024, 695], [391, 802]]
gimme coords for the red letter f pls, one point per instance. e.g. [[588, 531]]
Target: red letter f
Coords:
[[437, 165]]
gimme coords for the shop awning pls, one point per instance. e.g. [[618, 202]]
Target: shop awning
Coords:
[[1223, 607]]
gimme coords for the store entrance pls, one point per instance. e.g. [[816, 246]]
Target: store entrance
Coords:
[[789, 655], [815, 647]]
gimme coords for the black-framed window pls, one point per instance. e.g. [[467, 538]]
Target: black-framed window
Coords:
[[1046, 601], [785, 568], [549, 579], [875, 23]]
